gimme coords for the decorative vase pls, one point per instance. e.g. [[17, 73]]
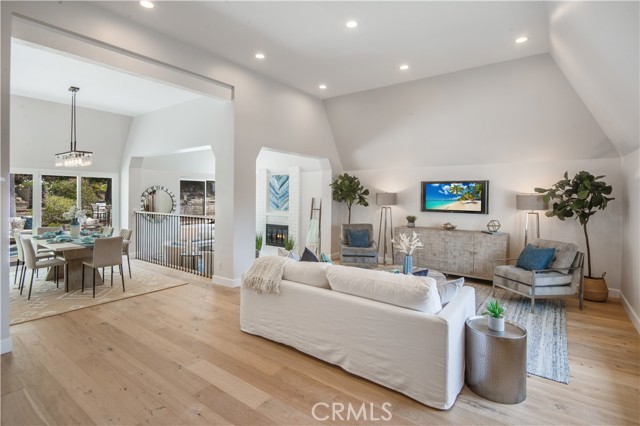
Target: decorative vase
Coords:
[[496, 324], [74, 229], [407, 266], [595, 289], [411, 224]]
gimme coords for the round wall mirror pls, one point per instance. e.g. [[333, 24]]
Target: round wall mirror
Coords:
[[158, 199]]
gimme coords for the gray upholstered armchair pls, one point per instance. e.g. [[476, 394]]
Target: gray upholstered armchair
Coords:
[[563, 277], [358, 255]]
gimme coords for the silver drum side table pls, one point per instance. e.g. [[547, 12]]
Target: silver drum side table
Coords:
[[496, 361]]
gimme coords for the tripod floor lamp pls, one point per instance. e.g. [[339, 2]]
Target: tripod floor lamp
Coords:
[[531, 202], [386, 200]]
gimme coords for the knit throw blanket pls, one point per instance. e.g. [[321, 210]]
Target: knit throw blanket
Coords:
[[265, 274]]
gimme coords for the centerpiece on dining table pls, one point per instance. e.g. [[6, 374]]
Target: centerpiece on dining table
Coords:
[[74, 215], [407, 245]]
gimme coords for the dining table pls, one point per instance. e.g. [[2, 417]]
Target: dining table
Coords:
[[74, 253]]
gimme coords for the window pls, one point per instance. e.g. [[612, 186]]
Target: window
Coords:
[[59, 193], [96, 198], [198, 198], [21, 193]]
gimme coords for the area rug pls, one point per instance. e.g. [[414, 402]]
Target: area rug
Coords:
[[47, 300], [547, 347]]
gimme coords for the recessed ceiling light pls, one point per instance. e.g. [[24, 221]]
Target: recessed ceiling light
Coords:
[[351, 24], [146, 4], [404, 67], [322, 87], [521, 39], [259, 55]]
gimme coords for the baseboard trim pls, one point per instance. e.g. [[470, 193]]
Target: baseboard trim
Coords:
[[633, 316], [615, 293], [6, 346], [227, 282]]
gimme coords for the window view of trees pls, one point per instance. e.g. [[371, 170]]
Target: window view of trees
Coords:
[[59, 193], [21, 192], [198, 197]]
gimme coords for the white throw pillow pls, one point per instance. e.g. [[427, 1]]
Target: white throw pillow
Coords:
[[407, 291], [449, 290], [288, 253], [310, 273]]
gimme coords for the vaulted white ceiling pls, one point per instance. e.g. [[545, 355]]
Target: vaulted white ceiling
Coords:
[[307, 43]]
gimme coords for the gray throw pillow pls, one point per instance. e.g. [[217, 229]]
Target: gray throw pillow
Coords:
[[449, 290]]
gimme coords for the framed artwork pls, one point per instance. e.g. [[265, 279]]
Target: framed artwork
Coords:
[[279, 192]]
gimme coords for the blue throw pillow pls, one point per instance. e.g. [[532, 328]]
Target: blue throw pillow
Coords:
[[28, 222], [421, 273], [535, 258], [358, 237], [326, 259], [308, 256]]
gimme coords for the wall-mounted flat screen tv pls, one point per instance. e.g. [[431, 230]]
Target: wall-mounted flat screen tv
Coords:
[[455, 196]]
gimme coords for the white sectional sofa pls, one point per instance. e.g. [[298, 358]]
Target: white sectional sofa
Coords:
[[416, 353]]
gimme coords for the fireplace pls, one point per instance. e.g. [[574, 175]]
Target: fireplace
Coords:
[[276, 235]]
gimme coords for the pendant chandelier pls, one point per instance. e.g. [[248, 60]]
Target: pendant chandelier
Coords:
[[73, 157]]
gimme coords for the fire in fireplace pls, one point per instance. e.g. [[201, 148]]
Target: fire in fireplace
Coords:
[[276, 235]]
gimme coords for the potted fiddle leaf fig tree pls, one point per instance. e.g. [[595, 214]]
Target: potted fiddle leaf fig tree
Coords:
[[348, 189], [581, 197]]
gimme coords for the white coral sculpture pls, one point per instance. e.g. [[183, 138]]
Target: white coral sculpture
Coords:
[[407, 245]]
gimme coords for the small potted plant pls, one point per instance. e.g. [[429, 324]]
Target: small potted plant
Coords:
[[495, 314], [258, 244], [411, 221], [289, 243]]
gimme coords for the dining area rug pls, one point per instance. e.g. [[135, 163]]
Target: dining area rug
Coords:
[[547, 345], [47, 300]]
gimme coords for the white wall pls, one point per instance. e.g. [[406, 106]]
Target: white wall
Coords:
[[506, 180], [630, 284], [200, 164], [520, 109], [596, 44], [40, 129]]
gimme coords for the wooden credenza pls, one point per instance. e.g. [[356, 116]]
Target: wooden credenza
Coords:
[[465, 253]]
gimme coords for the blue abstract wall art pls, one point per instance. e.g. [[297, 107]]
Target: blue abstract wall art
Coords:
[[279, 192]]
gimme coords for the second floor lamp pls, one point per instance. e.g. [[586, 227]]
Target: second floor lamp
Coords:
[[386, 200], [531, 202]]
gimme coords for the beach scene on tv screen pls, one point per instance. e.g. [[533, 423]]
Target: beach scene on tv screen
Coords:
[[465, 196]]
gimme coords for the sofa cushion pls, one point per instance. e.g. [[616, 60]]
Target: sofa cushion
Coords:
[[543, 279], [535, 258], [358, 238], [309, 273], [449, 290], [358, 251], [407, 291], [565, 254]]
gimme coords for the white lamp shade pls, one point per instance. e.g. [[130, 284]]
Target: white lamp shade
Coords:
[[531, 202], [386, 198]]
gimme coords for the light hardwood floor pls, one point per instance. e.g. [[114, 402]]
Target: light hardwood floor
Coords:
[[178, 357]]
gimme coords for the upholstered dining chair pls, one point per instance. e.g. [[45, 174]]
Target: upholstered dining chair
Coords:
[[126, 239], [107, 231], [106, 252], [42, 229], [544, 269], [20, 263], [357, 245], [32, 262]]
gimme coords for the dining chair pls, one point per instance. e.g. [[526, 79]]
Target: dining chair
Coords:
[[107, 231], [106, 252], [42, 229], [32, 262], [20, 264], [126, 238]]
